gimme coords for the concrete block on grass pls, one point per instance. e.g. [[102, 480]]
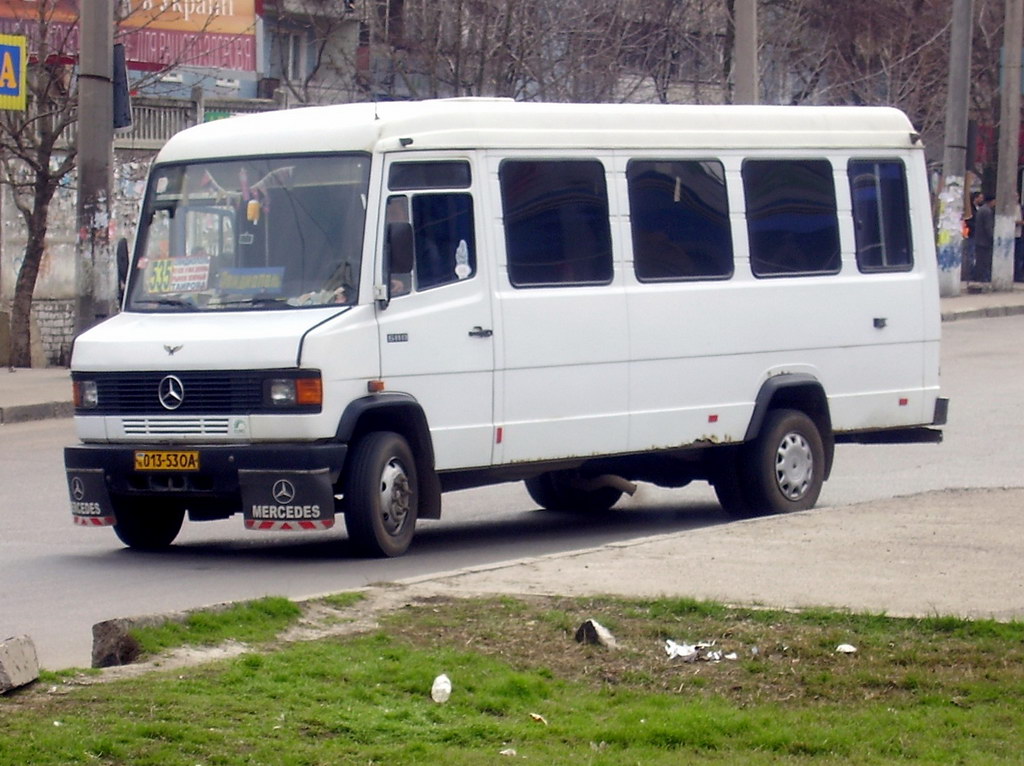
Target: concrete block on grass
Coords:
[[19, 664]]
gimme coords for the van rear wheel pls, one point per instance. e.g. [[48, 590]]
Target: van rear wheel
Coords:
[[560, 491], [382, 495], [147, 524], [783, 469]]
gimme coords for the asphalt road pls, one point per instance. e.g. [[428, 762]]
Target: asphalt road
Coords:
[[56, 580]]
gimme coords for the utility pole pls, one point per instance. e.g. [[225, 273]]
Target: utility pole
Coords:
[[93, 266], [1007, 197], [954, 161], [745, 90]]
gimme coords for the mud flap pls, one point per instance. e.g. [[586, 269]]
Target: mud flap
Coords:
[[90, 500], [287, 500]]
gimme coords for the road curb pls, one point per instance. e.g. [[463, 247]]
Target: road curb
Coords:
[[983, 313], [23, 413]]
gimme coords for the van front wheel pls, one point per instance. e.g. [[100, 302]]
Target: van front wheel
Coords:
[[147, 524], [382, 495]]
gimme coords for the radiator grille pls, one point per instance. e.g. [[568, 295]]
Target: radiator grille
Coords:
[[171, 426], [196, 393]]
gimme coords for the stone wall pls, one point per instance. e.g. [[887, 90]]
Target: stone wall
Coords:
[[53, 320]]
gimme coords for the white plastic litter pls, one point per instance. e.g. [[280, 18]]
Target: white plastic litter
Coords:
[[686, 652], [441, 689], [704, 652]]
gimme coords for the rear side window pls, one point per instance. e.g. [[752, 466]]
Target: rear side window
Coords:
[[679, 217], [791, 217], [881, 215], [556, 222]]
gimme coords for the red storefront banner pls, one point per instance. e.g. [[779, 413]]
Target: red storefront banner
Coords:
[[157, 34]]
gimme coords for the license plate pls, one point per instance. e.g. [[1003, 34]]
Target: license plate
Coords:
[[167, 460]]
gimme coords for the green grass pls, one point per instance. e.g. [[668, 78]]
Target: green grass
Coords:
[[249, 622], [917, 691]]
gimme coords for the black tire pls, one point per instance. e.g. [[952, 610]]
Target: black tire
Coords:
[[381, 495], [783, 470], [728, 482], [147, 524], [554, 491]]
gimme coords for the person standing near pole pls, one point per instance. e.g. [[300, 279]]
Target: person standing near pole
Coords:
[[984, 238]]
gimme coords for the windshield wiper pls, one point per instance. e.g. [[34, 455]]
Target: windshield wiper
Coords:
[[257, 301], [180, 303]]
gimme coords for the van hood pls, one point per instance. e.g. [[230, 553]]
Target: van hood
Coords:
[[209, 341]]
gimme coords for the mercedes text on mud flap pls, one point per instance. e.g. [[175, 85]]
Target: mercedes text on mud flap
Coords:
[[350, 310]]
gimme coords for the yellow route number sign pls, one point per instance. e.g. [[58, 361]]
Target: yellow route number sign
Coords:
[[13, 63]]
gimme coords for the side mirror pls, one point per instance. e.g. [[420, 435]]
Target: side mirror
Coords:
[[400, 248], [398, 259], [122, 265]]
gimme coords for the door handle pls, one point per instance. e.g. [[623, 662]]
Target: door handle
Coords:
[[480, 332]]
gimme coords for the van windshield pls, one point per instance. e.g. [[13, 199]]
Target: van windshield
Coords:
[[251, 234]]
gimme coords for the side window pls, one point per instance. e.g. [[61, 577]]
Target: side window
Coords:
[[556, 222], [881, 216], [443, 235], [437, 174], [791, 217], [679, 215], [443, 243]]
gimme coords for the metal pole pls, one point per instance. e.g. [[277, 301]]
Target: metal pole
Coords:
[[953, 195], [94, 278], [745, 53], [1007, 199]]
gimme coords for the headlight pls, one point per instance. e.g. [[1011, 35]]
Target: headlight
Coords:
[[85, 394], [303, 392]]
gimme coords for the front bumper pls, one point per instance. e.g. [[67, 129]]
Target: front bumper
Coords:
[[275, 485]]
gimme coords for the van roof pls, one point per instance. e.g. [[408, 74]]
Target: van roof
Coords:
[[470, 123]]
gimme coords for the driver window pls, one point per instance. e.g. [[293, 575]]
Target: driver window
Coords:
[[443, 241]]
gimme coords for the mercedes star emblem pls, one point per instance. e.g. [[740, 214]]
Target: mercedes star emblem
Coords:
[[171, 392], [283, 491], [77, 488]]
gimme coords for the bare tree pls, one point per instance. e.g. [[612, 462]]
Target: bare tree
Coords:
[[37, 156]]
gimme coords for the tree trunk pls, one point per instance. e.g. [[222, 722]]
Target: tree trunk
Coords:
[[24, 287]]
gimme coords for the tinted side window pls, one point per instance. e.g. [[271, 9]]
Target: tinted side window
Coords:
[[680, 219], [443, 236], [881, 217], [444, 248], [556, 222], [440, 174], [791, 217]]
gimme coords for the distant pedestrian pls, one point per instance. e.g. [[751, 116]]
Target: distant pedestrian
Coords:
[[984, 238], [976, 200], [1018, 246]]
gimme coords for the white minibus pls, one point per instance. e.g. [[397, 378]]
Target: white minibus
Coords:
[[349, 310]]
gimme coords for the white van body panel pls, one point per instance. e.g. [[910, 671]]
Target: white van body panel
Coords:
[[183, 340]]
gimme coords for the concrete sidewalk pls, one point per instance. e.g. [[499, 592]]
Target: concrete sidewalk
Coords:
[[38, 394]]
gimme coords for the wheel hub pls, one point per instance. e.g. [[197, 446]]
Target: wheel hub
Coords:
[[395, 496], [794, 466]]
